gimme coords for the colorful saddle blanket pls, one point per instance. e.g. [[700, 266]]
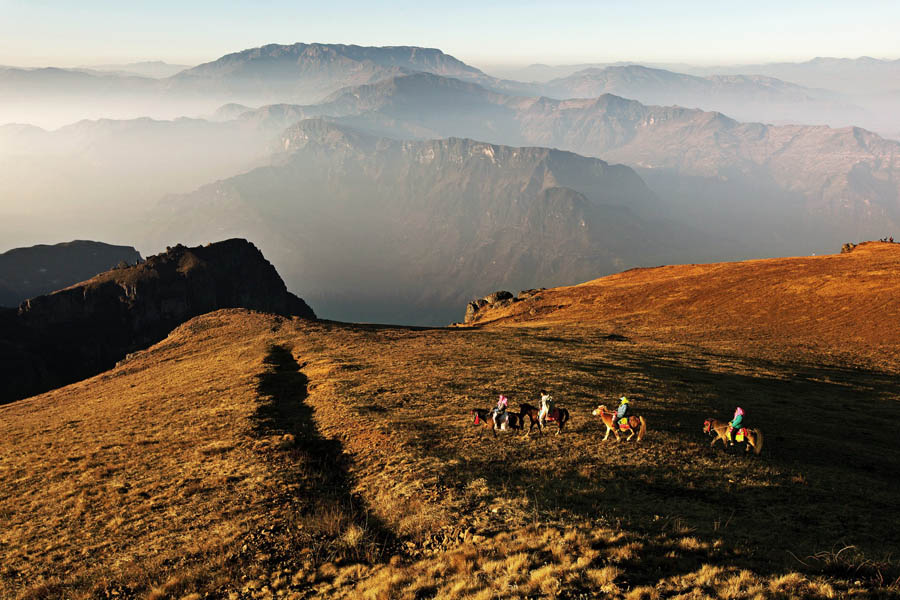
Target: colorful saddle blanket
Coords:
[[740, 435], [623, 423]]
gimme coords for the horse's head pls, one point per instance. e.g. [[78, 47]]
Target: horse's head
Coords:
[[477, 416], [707, 426], [600, 410]]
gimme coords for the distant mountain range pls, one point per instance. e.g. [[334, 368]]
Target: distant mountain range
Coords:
[[850, 75], [90, 178], [863, 91], [309, 72], [836, 92], [707, 168], [403, 231], [155, 69], [29, 272], [296, 73], [744, 97], [770, 189]]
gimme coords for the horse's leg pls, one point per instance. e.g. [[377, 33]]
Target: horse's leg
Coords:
[[608, 429], [630, 435]]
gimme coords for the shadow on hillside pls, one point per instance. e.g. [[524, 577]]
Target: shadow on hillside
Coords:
[[334, 521], [770, 527]]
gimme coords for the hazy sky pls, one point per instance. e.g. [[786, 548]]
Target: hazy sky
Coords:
[[65, 33]]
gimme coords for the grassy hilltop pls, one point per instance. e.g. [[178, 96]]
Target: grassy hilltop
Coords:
[[253, 456]]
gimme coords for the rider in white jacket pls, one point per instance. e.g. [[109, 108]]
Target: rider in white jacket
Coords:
[[546, 406], [500, 410]]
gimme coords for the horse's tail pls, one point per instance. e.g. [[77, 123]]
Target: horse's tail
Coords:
[[757, 447], [564, 417], [643, 429]]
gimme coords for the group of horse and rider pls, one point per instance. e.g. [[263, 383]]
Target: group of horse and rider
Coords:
[[618, 422]]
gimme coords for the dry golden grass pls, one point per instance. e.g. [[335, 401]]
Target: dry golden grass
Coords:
[[843, 306], [249, 456], [123, 480]]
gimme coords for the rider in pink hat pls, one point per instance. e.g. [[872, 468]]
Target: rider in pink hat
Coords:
[[502, 405]]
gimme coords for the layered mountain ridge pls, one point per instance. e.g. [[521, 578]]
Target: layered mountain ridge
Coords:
[[745, 97], [807, 187], [403, 230]]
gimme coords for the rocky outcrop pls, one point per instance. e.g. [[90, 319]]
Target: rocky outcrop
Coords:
[[29, 272], [477, 308], [495, 300], [86, 328]]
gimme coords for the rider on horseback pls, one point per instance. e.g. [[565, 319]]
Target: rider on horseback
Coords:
[[735, 424], [624, 410], [500, 409], [546, 407]]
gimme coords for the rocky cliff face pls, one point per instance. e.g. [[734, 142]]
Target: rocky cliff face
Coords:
[[79, 331]]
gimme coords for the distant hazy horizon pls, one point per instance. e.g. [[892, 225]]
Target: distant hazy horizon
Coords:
[[107, 63], [53, 33]]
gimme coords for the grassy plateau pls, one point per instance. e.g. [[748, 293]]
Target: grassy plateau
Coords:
[[252, 456]]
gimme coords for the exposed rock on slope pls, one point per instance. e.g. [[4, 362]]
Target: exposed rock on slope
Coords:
[[29, 272], [495, 300], [84, 329]]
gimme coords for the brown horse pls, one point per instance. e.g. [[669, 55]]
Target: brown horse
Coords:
[[508, 419], [560, 416], [719, 429], [636, 425]]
